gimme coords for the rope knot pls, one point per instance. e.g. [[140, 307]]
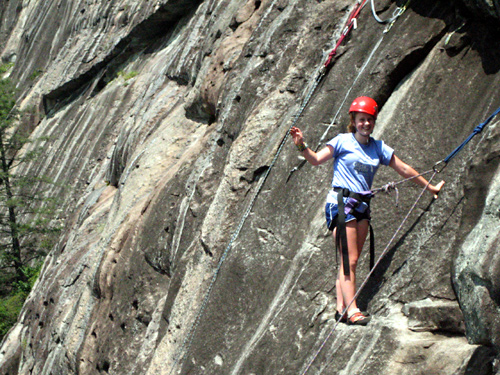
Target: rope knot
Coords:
[[391, 186]]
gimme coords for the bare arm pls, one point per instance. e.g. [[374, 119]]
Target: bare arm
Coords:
[[406, 171], [315, 158]]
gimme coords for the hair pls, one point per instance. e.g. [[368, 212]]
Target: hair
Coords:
[[351, 127]]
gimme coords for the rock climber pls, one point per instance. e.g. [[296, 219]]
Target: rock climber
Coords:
[[357, 157]]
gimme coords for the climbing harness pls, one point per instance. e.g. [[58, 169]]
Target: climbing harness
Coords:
[[341, 227], [437, 168], [341, 237]]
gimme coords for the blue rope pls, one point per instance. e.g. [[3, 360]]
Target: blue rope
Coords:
[[478, 129]]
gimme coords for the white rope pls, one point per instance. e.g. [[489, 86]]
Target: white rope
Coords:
[[397, 12]]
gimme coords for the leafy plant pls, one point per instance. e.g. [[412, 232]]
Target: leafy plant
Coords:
[[11, 305], [126, 76], [9, 311]]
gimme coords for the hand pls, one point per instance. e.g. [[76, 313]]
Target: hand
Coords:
[[298, 137], [436, 189]]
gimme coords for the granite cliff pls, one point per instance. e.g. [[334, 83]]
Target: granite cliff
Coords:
[[164, 118]]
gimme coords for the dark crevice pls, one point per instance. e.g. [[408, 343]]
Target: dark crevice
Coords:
[[163, 270], [147, 33], [181, 80], [103, 366], [406, 66], [481, 361], [200, 111], [255, 175], [206, 248], [234, 24], [259, 172]]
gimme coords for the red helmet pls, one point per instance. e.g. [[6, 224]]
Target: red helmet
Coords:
[[366, 105]]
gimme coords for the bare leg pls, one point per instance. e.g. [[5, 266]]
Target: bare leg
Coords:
[[346, 285]]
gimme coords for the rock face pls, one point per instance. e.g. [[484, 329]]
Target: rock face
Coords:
[[166, 120]]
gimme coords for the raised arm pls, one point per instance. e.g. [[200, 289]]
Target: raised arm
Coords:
[[315, 158], [406, 171]]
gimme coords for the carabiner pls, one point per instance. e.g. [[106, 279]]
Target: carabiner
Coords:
[[438, 168]]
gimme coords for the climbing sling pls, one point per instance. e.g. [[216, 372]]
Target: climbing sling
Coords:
[[351, 23]]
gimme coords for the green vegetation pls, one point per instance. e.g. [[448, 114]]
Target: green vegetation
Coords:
[[27, 231], [35, 74], [126, 76], [11, 305], [4, 68]]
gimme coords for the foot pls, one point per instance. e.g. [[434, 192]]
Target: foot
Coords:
[[340, 319], [359, 319]]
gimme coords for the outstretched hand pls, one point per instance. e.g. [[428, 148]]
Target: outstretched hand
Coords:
[[436, 189], [297, 136]]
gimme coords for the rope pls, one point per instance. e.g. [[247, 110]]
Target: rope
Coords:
[[478, 129], [350, 23], [349, 91], [392, 185], [397, 13], [384, 253]]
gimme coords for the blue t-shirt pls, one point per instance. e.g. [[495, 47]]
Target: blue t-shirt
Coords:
[[355, 164]]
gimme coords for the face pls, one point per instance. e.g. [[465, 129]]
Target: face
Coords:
[[364, 123]]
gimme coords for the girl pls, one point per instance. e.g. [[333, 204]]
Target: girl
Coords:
[[357, 157]]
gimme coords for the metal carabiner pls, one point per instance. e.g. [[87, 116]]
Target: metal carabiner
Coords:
[[438, 168], [398, 11]]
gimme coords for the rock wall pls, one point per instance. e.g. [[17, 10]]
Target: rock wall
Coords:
[[164, 119]]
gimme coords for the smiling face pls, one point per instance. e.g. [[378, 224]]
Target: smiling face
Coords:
[[364, 123]]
